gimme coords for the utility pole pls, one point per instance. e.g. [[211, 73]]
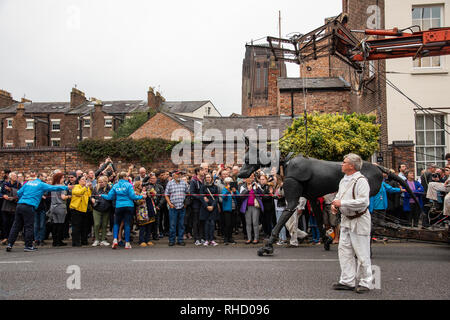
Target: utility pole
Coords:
[[279, 27]]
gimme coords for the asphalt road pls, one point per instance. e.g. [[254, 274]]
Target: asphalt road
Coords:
[[408, 271]]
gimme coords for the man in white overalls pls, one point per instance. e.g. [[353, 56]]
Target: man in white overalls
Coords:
[[352, 200]]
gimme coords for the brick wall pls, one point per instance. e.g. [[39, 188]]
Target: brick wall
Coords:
[[49, 159], [159, 126], [68, 159], [402, 152], [320, 101], [5, 98]]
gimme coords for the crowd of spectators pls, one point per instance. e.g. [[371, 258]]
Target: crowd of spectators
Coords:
[[207, 207]]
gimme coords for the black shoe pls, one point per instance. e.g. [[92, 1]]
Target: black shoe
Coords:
[[340, 286], [54, 244], [8, 248], [171, 244], [62, 244], [37, 242], [361, 289], [232, 241], [181, 243], [76, 245], [30, 249]]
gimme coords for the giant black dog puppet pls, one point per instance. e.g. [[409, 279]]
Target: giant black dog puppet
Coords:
[[312, 178]]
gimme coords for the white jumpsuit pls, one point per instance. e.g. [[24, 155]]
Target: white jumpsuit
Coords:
[[355, 233]]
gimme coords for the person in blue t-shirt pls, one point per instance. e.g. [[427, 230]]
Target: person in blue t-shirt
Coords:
[[30, 195], [124, 195]]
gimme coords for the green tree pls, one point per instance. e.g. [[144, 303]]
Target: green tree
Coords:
[[130, 125], [331, 136]]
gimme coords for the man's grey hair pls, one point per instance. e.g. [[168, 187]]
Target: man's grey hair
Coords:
[[354, 160]]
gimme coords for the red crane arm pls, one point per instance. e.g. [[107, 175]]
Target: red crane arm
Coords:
[[433, 42], [335, 39]]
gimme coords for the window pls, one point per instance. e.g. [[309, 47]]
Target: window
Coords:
[[56, 142], [430, 141], [9, 144], [9, 123], [108, 122], [86, 122], [427, 17], [56, 125], [209, 111], [30, 124], [29, 143]]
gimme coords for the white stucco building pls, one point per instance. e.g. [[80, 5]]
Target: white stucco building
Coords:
[[426, 81]]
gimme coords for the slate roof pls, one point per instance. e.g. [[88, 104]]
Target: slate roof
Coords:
[[112, 107], [182, 106], [328, 83], [188, 122], [39, 107], [244, 123]]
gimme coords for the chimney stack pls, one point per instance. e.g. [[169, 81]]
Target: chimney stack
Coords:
[[5, 98], [151, 99], [77, 98], [159, 100], [24, 100], [20, 109]]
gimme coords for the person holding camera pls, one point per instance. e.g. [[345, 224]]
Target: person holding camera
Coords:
[[268, 216], [124, 195], [229, 206], [195, 187], [101, 211], [251, 206], [81, 194], [159, 201], [209, 211]]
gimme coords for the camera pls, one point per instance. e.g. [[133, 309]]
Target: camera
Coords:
[[435, 176]]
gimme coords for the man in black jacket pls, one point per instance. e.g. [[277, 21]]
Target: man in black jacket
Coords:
[[194, 188], [163, 176], [159, 200]]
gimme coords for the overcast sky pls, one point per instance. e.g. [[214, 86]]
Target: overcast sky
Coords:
[[115, 50]]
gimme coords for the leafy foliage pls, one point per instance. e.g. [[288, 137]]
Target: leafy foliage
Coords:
[[130, 125], [143, 150], [332, 136]]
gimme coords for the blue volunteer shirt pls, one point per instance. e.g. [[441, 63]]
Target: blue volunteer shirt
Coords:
[[123, 193], [32, 191]]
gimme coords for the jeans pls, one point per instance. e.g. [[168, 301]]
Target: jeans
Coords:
[[145, 232], [176, 218], [123, 214], [314, 229], [278, 212], [39, 226], [209, 229], [100, 221], [24, 219]]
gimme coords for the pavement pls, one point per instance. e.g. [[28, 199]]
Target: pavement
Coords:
[[406, 271]]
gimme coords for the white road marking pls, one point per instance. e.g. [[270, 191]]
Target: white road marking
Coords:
[[6, 262], [238, 260]]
